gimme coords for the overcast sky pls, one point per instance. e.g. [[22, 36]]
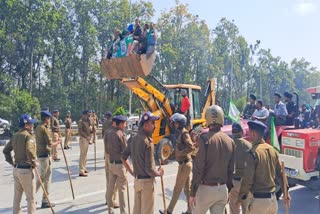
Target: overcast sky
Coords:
[[290, 28]]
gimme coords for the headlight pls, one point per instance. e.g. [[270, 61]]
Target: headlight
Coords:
[[293, 172], [300, 143]]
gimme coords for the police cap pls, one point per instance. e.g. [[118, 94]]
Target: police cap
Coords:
[[45, 114], [257, 125], [277, 94], [120, 118], [26, 119], [288, 95], [108, 114], [85, 111], [55, 111], [252, 96]]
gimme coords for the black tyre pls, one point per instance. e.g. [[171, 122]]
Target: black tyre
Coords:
[[163, 150]]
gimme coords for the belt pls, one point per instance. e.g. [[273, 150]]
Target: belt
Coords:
[[143, 177], [116, 161], [237, 178], [44, 156], [23, 166], [263, 194], [183, 162], [213, 184]]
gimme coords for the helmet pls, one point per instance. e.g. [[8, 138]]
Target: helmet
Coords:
[[26, 118], [214, 115], [179, 118]]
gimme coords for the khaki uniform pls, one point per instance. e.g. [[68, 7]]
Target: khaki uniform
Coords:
[[56, 136], [68, 123], [44, 142], [241, 150], [107, 166], [263, 168], [141, 150], [85, 136], [107, 124], [117, 173], [24, 147], [212, 169], [183, 152]]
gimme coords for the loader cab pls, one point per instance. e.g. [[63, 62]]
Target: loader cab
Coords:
[[194, 95]]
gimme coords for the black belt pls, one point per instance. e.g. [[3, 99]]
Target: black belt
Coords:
[[237, 178], [263, 194], [116, 161], [44, 156], [183, 162], [23, 166], [143, 176]]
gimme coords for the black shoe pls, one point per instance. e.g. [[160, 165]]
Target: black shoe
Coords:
[[83, 175], [66, 148], [47, 205], [162, 212]]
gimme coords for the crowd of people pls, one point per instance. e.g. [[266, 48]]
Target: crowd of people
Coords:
[[136, 39], [285, 113]]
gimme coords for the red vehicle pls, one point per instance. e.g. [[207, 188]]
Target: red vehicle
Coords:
[[301, 152]]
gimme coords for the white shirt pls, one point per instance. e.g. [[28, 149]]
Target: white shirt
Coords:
[[263, 113]]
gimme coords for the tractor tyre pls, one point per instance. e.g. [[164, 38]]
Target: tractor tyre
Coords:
[[163, 150]]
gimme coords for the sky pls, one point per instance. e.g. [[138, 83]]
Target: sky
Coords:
[[290, 28]]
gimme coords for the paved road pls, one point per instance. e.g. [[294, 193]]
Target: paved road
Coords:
[[90, 191]]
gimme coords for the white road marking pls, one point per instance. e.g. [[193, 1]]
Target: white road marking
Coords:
[[100, 192]]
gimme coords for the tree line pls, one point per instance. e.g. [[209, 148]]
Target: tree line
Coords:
[[50, 52]]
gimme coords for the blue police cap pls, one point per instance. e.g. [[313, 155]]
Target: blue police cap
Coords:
[[45, 114], [256, 124], [252, 96], [25, 119], [120, 118], [236, 127], [108, 114], [85, 111], [148, 116], [277, 94]]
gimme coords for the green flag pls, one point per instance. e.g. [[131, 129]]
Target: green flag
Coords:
[[233, 113], [273, 136]]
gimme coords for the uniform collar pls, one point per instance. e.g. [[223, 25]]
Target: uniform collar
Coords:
[[258, 142]]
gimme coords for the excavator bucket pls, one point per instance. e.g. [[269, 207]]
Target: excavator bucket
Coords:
[[131, 66]]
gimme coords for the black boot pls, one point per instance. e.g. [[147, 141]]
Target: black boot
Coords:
[[46, 205], [162, 212]]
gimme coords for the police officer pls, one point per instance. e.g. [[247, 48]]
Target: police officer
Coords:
[[213, 166], [250, 107], [117, 143], [241, 149], [85, 137], [24, 147], [44, 145], [291, 108], [107, 122], [262, 169], [182, 151], [56, 136], [141, 149], [68, 124], [112, 128]]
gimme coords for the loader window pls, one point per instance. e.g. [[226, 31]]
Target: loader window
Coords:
[[196, 104]]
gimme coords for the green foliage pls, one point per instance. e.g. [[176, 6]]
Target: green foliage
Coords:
[[16, 104], [241, 103]]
